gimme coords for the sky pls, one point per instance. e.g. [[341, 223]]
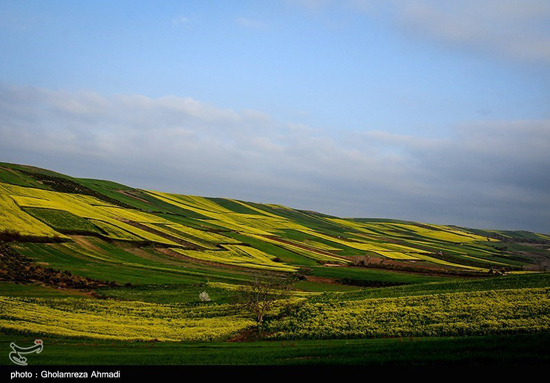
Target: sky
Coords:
[[428, 110]]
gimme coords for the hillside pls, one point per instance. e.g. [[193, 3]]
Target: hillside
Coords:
[[48, 209], [66, 241]]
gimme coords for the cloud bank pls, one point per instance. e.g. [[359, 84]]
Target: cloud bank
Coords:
[[509, 29], [486, 174]]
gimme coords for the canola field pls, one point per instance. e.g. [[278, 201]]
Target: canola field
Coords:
[[451, 314], [466, 313], [236, 255], [13, 218], [119, 320], [202, 230], [51, 214]]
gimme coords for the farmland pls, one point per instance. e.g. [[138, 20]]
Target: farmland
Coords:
[[115, 320], [89, 260]]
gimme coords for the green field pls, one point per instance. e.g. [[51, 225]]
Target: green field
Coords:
[[521, 351]]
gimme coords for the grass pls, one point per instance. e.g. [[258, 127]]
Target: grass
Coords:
[[11, 176], [63, 221], [285, 255], [114, 232], [486, 284], [306, 252], [482, 351], [306, 230], [172, 293], [373, 275], [325, 240], [11, 289], [323, 287], [94, 258]]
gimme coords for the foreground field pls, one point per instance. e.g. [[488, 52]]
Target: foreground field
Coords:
[[508, 305], [109, 319], [453, 314], [481, 351]]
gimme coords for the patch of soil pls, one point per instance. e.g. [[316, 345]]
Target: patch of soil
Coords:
[[328, 281], [247, 335], [85, 242]]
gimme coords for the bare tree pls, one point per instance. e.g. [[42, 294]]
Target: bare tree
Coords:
[[262, 294]]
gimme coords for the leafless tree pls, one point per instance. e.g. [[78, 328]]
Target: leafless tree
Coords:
[[262, 294]]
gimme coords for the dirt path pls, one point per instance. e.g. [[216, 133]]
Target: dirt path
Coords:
[[327, 281]]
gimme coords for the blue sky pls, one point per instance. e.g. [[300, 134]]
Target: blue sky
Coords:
[[414, 109]]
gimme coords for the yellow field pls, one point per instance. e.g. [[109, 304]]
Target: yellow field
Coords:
[[115, 232], [119, 320], [200, 234], [450, 314], [319, 245], [13, 218], [168, 229], [263, 224], [354, 225], [236, 255], [308, 253], [439, 232], [442, 262], [89, 208], [445, 235], [368, 246]]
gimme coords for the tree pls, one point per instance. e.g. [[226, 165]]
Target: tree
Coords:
[[262, 294]]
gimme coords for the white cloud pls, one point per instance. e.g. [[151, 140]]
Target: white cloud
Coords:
[[512, 29], [493, 174]]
